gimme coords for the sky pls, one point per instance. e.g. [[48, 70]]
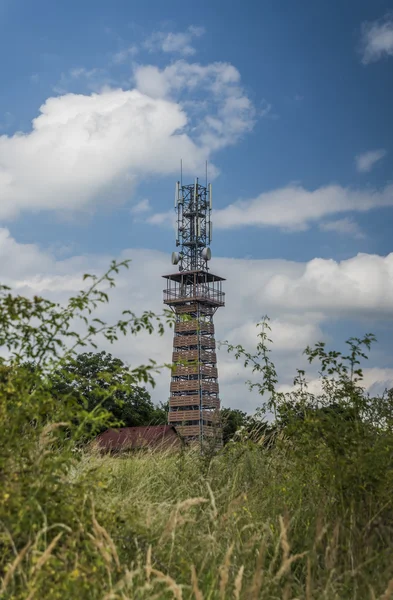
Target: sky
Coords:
[[290, 104]]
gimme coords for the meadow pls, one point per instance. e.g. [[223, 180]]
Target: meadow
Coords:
[[302, 509]]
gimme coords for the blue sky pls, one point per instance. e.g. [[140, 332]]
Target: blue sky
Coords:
[[289, 102]]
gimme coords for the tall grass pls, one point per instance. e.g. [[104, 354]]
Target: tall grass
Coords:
[[255, 524], [308, 515], [252, 522]]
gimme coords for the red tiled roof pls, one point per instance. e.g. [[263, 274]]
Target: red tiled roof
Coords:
[[135, 437]]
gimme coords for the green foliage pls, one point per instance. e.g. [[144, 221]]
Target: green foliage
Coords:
[[43, 331], [100, 380], [341, 437], [237, 425], [48, 527]]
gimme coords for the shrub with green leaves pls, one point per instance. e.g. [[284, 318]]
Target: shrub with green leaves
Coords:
[[49, 536]]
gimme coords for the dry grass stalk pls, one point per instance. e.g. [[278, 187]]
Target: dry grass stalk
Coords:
[[120, 585], [170, 582], [105, 536], [47, 528], [148, 564], [286, 593], [372, 594], [212, 500], [284, 526], [224, 571], [194, 581], [388, 592], [286, 564], [190, 502], [320, 532], [308, 580], [44, 438], [106, 555], [13, 567], [332, 548], [237, 587], [48, 551], [177, 519], [257, 579], [31, 595], [234, 504]]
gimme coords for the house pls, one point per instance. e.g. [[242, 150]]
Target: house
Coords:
[[157, 437]]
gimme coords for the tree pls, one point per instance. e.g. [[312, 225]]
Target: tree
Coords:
[[99, 379], [234, 420]]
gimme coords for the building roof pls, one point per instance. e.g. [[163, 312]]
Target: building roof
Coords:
[[135, 437]]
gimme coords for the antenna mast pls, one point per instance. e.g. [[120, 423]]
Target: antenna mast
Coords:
[[193, 205]]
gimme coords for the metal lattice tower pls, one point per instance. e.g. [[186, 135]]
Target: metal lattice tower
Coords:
[[194, 294]]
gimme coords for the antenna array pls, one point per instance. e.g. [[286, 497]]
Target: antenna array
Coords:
[[193, 204]]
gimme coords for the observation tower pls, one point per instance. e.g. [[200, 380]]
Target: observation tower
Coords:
[[194, 294]]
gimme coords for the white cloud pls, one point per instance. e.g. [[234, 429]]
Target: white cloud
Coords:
[[299, 298], [377, 39], [289, 334], [141, 207], [344, 226], [375, 381], [366, 161], [167, 218], [176, 43], [230, 112], [360, 285], [81, 146], [217, 78], [93, 80], [293, 208]]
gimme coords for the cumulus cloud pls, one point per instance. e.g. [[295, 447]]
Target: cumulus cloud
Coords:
[[290, 334], [176, 43], [82, 146], [293, 208], [300, 298], [359, 285], [231, 112], [377, 39], [366, 161]]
